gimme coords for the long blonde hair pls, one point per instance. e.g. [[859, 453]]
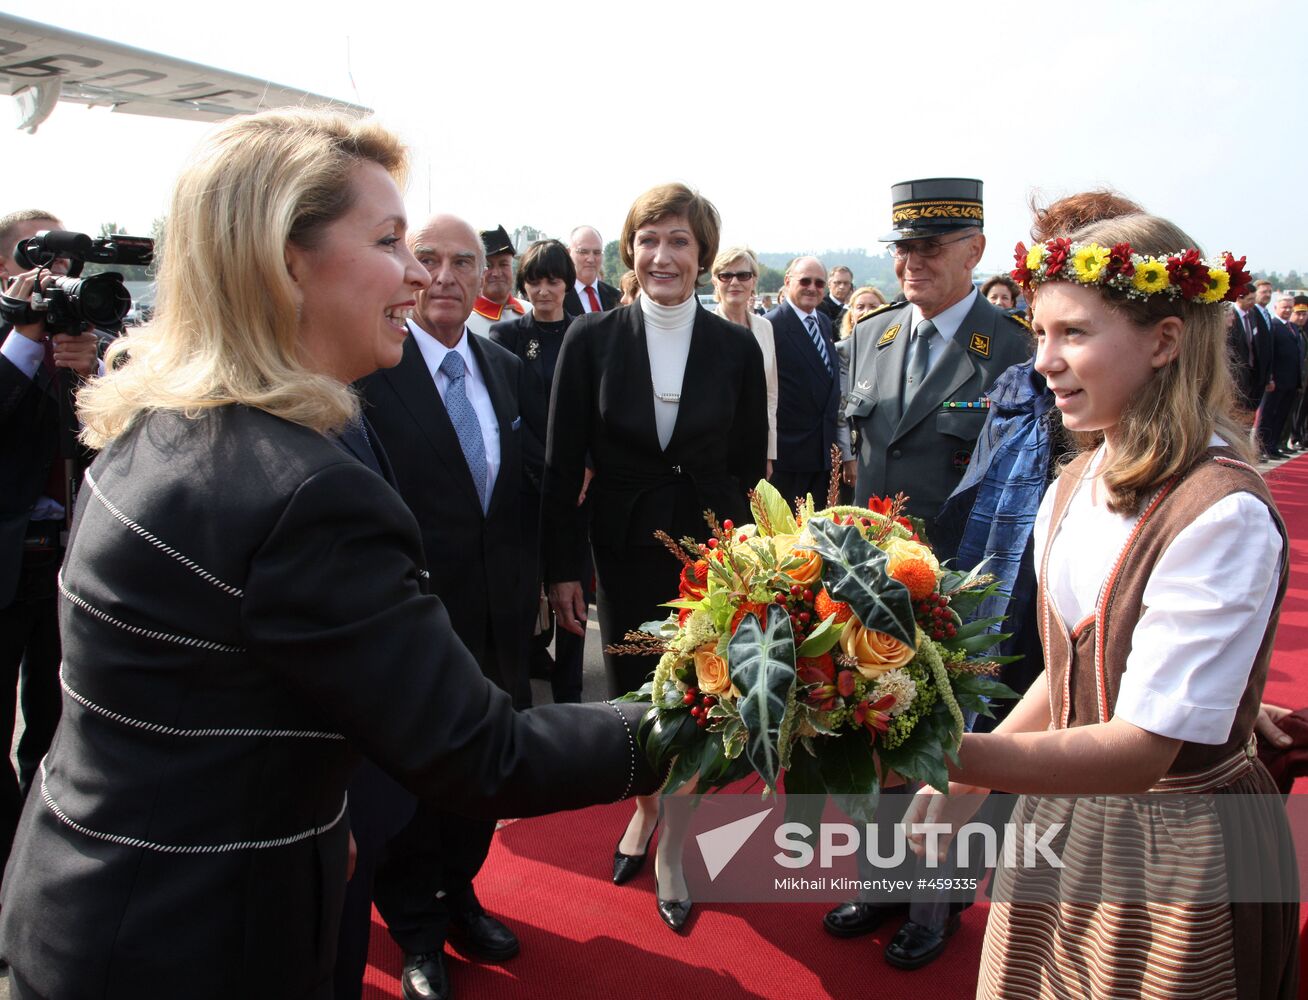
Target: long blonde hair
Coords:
[[1166, 429], [226, 326]]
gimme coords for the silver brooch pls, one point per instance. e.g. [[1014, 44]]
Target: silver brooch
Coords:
[[533, 349]]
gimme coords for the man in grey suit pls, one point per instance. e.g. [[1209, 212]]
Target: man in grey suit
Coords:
[[915, 374]]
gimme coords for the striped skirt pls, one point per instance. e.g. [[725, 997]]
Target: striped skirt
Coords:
[[1141, 908]]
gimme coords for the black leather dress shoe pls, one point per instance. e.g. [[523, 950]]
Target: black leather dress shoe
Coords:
[[914, 946], [479, 935], [849, 920], [424, 977]]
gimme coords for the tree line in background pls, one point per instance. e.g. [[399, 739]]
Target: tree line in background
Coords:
[[877, 270]]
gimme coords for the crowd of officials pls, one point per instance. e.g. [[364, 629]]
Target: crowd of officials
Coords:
[[539, 425]]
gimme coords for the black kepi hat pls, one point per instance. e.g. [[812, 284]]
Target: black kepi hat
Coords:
[[497, 241], [933, 206]]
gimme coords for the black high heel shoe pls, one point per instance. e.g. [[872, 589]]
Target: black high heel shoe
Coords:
[[673, 912], [628, 866]]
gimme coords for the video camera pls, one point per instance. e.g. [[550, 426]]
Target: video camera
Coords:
[[71, 302]]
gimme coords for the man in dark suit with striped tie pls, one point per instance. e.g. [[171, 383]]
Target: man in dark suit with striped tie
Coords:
[[808, 384]]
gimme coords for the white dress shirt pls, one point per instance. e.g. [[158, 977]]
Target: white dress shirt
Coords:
[[474, 385], [585, 299], [1207, 604]]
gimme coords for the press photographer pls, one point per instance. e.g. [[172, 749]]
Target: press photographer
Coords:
[[53, 324]]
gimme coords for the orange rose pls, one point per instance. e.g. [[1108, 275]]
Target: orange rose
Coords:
[[809, 572], [875, 651], [711, 669]]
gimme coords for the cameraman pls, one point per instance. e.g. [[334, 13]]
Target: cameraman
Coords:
[[34, 509]]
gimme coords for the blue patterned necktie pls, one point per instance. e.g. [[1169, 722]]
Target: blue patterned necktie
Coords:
[[815, 334], [466, 424]]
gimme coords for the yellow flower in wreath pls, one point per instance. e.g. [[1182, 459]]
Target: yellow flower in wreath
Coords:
[[1034, 256], [1089, 262], [1151, 276], [1219, 283]]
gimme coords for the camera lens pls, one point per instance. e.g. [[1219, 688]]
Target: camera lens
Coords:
[[100, 299]]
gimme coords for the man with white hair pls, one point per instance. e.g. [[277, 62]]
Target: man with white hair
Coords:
[[447, 418], [590, 294]]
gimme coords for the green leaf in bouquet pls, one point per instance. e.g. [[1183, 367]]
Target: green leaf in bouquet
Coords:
[[666, 733], [976, 626], [762, 661], [823, 637], [976, 692], [966, 591], [644, 693], [734, 738], [686, 766], [921, 757], [849, 772], [665, 628], [715, 767], [977, 644], [854, 571], [771, 511]]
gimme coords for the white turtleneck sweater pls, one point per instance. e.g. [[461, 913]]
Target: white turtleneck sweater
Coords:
[[667, 339]]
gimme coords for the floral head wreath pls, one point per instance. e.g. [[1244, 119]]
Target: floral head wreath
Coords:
[[1182, 275]]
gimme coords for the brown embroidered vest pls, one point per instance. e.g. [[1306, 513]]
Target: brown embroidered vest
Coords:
[[1085, 665]]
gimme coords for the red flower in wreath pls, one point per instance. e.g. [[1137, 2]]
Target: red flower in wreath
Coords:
[[1021, 274], [1057, 255], [1119, 260], [1188, 273], [1239, 277]]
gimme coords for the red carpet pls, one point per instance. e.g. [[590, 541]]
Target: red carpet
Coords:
[[583, 937]]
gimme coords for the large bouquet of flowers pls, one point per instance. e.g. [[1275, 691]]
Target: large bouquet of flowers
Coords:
[[828, 646]]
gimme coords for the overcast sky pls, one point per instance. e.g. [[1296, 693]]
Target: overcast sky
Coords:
[[793, 118]]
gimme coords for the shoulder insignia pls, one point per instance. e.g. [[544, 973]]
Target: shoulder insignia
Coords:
[[1018, 319], [880, 309], [889, 336], [979, 344]]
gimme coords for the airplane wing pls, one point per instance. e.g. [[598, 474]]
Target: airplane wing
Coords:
[[41, 65]]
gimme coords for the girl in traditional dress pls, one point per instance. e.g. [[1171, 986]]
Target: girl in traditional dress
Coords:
[[1162, 563]]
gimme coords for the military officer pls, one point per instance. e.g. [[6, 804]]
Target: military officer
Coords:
[[916, 371], [496, 302], [915, 374]]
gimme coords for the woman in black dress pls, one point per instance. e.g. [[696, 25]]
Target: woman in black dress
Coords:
[[669, 404], [545, 274]]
